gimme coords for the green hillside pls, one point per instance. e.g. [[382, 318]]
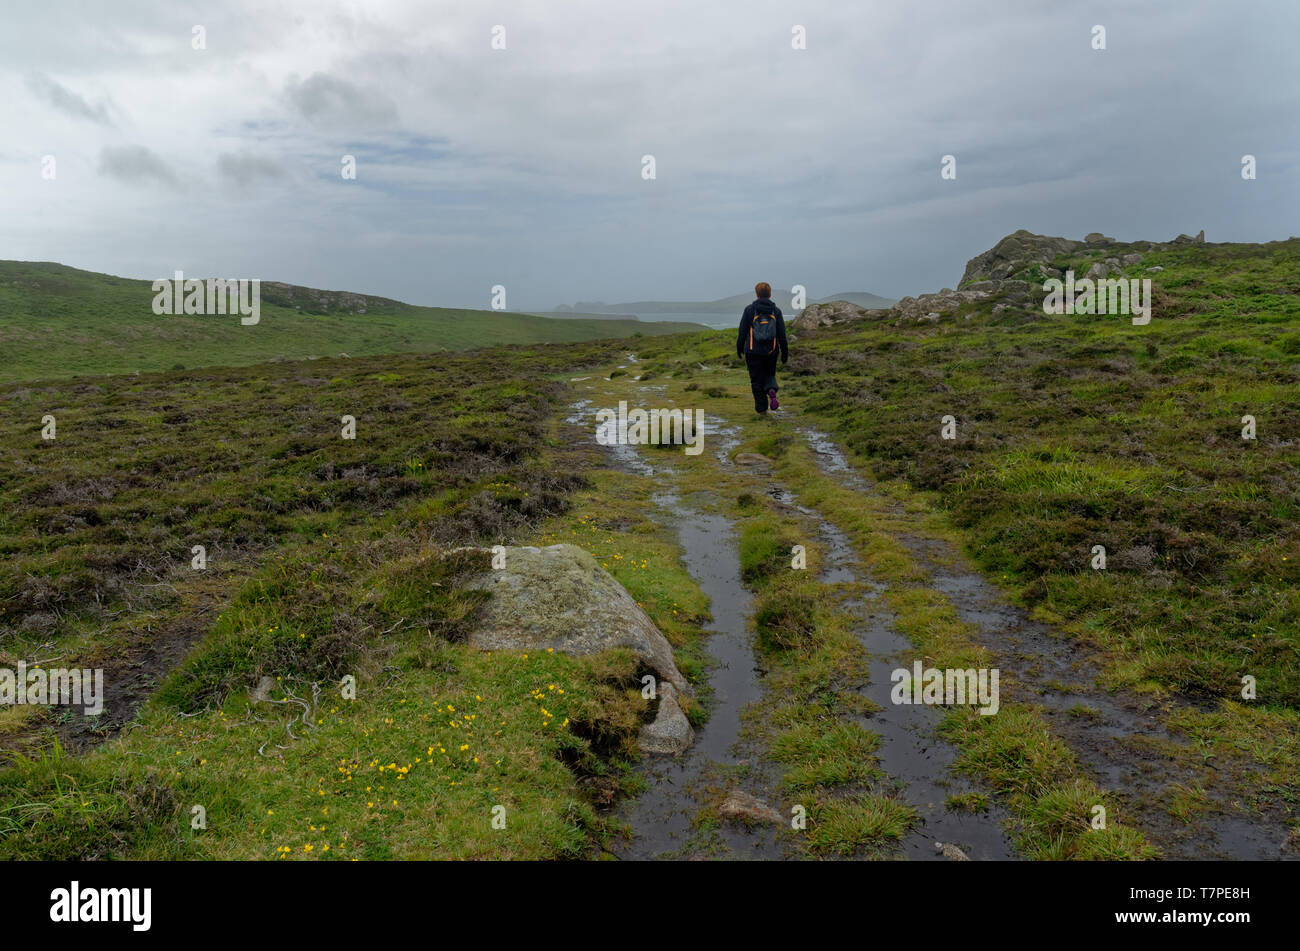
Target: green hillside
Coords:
[[57, 321]]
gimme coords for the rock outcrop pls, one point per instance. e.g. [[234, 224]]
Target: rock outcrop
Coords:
[[558, 597], [1023, 249], [1018, 251], [992, 275], [311, 300], [930, 308], [816, 316]]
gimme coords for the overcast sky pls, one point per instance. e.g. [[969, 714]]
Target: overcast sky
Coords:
[[523, 166]]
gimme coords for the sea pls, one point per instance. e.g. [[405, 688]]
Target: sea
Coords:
[[716, 321]]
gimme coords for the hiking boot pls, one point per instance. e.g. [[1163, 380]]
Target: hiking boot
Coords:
[[772, 400]]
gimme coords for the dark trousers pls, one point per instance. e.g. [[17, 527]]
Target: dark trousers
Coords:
[[762, 377]]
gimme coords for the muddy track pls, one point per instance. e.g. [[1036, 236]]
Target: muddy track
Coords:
[[916, 762], [1119, 740], [719, 760], [133, 672], [1114, 738], [662, 820], [911, 752]]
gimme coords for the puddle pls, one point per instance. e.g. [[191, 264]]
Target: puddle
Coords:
[[626, 458], [831, 459], [726, 438], [660, 819], [910, 752], [582, 411], [919, 761]]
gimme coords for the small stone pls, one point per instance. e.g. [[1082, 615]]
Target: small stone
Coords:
[[951, 852], [670, 733], [741, 805]]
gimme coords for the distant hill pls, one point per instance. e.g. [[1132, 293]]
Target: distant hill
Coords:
[[58, 321], [725, 305]]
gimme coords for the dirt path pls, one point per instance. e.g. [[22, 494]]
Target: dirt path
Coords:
[[916, 761], [910, 752], [663, 821], [1120, 741]]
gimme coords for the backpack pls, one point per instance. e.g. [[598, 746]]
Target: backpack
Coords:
[[762, 333]]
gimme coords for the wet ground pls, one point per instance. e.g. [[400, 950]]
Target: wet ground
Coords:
[[910, 752], [661, 818], [1111, 736]]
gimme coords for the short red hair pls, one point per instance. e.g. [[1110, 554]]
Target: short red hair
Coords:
[[763, 289]]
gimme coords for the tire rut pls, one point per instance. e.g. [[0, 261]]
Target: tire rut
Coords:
[[1118, 739]]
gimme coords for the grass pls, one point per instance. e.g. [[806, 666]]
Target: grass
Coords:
[[1078, 432], [415, 769], [326, 564], [98, 525]]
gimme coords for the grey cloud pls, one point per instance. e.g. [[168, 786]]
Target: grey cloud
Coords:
[[65, 100], [324, 98], [522, 166], [244, 169], [135, 165]]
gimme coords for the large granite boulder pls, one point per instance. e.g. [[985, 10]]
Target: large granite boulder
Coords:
[[559, 597]]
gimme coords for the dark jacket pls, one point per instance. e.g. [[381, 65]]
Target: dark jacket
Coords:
[[764, 306]]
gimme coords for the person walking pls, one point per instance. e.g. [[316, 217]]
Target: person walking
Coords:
[[760, 340]]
